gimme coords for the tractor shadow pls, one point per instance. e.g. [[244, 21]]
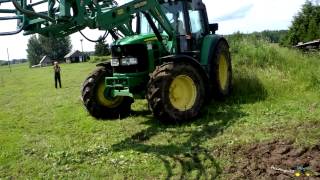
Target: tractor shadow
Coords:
[[247, 88], [188, 158]]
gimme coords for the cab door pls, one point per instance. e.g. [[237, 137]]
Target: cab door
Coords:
[[197, 19]]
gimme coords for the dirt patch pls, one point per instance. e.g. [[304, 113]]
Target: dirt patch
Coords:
[[275, 160]]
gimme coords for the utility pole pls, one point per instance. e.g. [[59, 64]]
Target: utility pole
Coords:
[[81, 45], [82, 55], [8, 59]]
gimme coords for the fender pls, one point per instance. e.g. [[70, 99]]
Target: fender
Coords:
[[208, 47], [186, 59]]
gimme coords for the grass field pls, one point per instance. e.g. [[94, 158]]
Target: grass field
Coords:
[[46, 133]]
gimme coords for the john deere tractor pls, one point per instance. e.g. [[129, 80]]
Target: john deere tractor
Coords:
[[164, 50]]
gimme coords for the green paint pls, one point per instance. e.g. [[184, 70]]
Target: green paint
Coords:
[[149, 40], [120, 84], [64, 8], [134, 79], [208, 46], [135, 39]]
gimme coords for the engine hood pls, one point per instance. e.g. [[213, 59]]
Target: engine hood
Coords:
[[136, 39]]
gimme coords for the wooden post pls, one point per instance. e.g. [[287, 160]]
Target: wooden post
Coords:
[[8, 59]]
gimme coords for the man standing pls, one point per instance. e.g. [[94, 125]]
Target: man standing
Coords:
[[57, 76]]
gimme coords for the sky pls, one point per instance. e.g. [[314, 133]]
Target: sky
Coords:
[[232, 15]]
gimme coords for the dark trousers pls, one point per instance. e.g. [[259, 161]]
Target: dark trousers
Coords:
[[57, 78]]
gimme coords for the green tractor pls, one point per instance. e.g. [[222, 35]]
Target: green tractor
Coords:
[[164, 50]]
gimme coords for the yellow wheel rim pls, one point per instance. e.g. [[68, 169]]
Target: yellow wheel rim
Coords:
[[223, 72], [183, 93], [107, 102]]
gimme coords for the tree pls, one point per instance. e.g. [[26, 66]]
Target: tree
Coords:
[[305, 26], [55, 48], [34, 50], [101, 48]]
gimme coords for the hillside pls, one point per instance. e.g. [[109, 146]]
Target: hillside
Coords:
[[46, 133]]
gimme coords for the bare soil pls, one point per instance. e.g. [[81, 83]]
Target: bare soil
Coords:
[[275, 160]]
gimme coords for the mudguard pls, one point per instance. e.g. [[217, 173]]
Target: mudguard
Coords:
[[208, 47]]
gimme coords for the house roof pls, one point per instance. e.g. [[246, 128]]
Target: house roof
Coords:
[[75, 53], [45, 59], [310, 43]]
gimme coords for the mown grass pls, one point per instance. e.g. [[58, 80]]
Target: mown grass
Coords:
[[46, 133]]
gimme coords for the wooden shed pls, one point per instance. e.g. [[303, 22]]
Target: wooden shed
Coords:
[[315, 44], [45, 61], [75, 57]]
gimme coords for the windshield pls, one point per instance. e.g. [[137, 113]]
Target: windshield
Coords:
[[174, 13]]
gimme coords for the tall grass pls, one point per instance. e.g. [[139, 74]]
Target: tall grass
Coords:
[[250, 52]]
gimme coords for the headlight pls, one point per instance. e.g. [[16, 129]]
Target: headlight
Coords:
[[115, 62], [127, 61]]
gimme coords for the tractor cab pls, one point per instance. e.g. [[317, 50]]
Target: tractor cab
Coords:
[[188, 19], [174, 58]]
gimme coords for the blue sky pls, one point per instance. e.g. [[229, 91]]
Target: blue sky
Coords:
[[232, 15]]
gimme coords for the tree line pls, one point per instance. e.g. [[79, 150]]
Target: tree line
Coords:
[[275, 36]]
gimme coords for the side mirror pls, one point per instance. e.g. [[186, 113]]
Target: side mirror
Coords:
[[213, 27]]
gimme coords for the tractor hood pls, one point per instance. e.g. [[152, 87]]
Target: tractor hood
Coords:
[[136, 39]]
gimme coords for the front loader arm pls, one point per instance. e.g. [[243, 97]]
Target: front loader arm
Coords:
[[108, 19], [73, 15]]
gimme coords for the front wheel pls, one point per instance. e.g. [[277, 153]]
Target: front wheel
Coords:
[[176, 92], [97, 98]]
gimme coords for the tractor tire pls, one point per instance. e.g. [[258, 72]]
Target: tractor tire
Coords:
[[94, 99], [220, 74], [176, 92]]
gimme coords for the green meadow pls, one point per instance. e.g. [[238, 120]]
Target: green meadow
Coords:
[[45, 133]]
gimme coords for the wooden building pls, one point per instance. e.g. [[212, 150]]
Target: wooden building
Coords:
[[75, 57], [45, 61], [309, 45]]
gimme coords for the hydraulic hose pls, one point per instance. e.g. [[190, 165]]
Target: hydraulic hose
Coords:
[[95, 41], [31, 13]]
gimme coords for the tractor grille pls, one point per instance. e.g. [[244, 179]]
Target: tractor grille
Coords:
[[137, 50]]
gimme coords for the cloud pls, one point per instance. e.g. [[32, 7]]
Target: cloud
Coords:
[[237, 14]]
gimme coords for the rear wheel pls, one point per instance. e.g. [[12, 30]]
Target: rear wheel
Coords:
[[175, 92], [221, 70], [98, 100]]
